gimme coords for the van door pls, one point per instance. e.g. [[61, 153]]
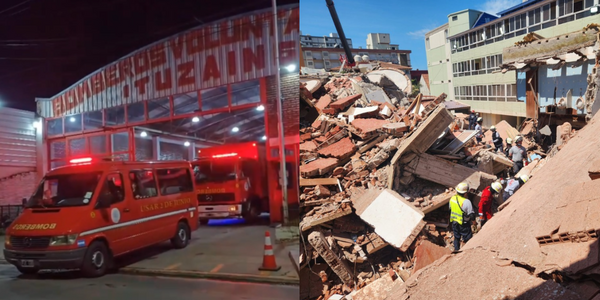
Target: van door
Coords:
[[118, 218]]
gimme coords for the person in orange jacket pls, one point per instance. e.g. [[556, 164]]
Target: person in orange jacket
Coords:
[[485, 204]]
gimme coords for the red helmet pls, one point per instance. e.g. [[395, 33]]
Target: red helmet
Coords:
[[473, 111]]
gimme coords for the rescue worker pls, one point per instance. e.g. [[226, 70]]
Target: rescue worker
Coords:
[[461, 215], [479, 130], [472, 120], [513, 185], [485, 204], [518, 154], [508, 146], [496, 139]]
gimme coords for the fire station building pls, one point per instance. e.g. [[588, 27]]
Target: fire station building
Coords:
[[211, 85]]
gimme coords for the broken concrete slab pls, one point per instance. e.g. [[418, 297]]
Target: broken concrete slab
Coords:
[[393, 218], [444, 172], [426, 253], [377, 290], [308, 146], [421, 139], [325, 250]]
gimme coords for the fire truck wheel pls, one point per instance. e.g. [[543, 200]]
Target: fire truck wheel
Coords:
[[28, 271], [182, 236], [96, 260], [250, 211]]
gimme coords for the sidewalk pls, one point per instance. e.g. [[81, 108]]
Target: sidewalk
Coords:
[[227, 253], [232, 253]]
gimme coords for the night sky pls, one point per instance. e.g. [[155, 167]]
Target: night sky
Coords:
[[47, 45]]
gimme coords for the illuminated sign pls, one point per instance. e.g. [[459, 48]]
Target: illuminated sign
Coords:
[[165, 204], [45, 226]]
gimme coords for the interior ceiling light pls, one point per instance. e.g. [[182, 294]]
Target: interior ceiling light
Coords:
[[235, 129], [187, 144], [260, 107], [143, 134], [195, 119], [72, 119], [291, 68], [264, 137]]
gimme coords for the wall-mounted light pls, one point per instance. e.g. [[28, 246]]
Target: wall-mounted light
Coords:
[[143, 134], [291, 67], [594, 9], [187, 144]]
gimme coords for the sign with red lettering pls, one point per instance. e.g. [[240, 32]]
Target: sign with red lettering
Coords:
[[228, 51]]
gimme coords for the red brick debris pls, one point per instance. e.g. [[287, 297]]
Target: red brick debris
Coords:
[[343, 156]]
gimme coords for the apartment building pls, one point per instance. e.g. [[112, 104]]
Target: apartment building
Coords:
[[331, 41], [380, 41], [476, 40], [319, 58]]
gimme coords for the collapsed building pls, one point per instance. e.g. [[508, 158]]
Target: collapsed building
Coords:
[[378, 170]]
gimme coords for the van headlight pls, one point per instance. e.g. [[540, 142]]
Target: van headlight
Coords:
[[7, 240], [63, 240]]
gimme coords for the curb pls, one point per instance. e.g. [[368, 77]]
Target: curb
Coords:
[[216, 276], [3, 262]]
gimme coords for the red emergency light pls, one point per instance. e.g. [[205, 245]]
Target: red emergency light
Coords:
[[81, 160]]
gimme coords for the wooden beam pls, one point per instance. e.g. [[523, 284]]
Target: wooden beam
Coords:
[[318, 181]]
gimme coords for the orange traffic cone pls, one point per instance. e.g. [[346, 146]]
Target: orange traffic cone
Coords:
[[269, 258]]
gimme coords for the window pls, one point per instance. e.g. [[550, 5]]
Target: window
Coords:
[[188, 103], [565, 7], [73, 123], [143, 184], [92, 120], [245, 92], [454, 18], [136, 112], [174, 181], [65, 190], [427, 43], [113, 189], [577, 5], [55, 126], [215, 171]]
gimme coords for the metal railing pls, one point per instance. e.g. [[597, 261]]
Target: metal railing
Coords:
[[9, 213]]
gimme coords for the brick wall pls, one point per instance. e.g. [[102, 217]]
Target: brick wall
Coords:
[[16, 187], [291, 104]]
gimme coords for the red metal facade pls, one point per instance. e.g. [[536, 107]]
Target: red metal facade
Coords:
[[231, 50]]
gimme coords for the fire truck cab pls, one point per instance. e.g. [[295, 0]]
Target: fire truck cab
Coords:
[[231, 181]]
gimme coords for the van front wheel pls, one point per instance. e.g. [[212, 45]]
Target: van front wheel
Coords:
[[96, 260], [182, 236]]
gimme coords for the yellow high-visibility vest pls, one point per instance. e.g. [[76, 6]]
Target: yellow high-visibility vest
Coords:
[[456, 213]]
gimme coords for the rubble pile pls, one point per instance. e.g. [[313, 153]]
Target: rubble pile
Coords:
[[377, 173]]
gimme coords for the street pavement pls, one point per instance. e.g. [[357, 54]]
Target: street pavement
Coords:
[[223, 251], [68, 285]]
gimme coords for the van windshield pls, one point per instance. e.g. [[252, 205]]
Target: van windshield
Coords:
[[65, 190], [208, 171]]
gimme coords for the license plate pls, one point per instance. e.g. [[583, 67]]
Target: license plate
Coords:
[[27, 263]]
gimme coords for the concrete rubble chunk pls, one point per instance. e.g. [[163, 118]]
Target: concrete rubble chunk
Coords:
[[318, 167], [428, 252], [393, 218], [323, 102], [367, 127], [325, 250]]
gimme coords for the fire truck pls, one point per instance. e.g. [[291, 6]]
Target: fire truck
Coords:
[[231, 181]]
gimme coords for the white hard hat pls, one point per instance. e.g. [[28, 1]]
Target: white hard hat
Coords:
[[493, 128], [479, 119], [524, 178], [519, 139], [508, 140], [497, 186], [462, 188]]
